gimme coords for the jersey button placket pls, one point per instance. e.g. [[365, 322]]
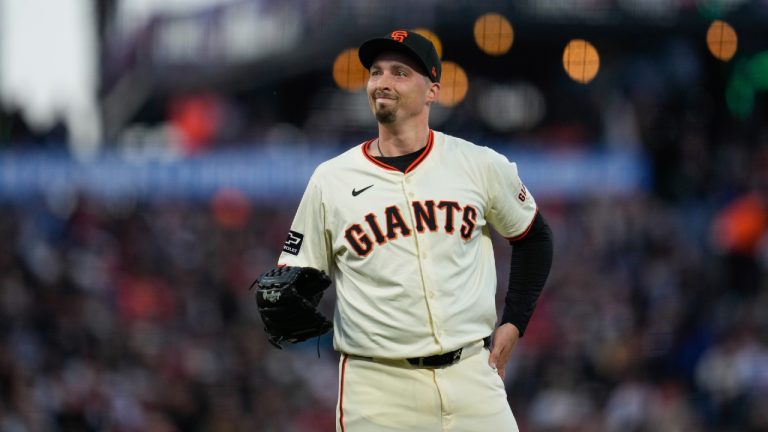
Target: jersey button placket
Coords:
[[422, 256]]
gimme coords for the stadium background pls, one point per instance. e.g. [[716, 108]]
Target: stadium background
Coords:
[[151, 158]]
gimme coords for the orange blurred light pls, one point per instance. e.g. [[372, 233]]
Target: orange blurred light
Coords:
[[722, 40], [196, 119], [741, 225], [581, 60], [348, 72], [493, 34], [453, 84]]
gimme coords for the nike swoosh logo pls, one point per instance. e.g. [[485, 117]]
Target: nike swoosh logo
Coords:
[[356, 192]]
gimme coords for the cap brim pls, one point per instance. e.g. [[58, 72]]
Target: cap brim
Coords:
[[371, 49]]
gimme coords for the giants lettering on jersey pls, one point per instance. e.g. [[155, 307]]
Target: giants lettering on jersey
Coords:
[[428, 215]]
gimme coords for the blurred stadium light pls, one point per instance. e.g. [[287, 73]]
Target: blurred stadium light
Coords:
[[722, 40], [581, 60], [453, 84], [494, 34], [749, 76], [348, 72]]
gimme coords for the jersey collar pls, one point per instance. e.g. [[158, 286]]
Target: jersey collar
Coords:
[[411, 167]]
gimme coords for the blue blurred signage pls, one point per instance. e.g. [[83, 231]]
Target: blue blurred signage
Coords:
[[282, 173]]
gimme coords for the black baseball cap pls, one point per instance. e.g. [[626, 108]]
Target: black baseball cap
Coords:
[[407, 42]]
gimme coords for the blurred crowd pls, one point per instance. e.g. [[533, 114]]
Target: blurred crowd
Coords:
[[136, 316], [121, 318]]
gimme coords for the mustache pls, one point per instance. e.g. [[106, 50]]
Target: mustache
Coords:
[[384, 94]]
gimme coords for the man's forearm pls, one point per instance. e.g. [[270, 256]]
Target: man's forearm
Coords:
[[531, 262]]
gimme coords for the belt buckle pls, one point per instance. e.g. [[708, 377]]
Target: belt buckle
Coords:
[[439, 360], [456, 356]]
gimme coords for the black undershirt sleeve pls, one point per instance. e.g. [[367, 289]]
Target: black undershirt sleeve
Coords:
[[531, 261]]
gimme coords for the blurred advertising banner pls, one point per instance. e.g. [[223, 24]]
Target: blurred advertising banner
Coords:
[[281, 173]]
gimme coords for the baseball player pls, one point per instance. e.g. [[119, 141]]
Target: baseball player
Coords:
[[401, 224]]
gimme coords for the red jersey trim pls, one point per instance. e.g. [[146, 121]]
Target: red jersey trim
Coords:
[[525, 233], [411, 167], [341, 392], [424, 155], [373, 159]]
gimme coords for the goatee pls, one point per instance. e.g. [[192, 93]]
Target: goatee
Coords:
[[385, 116]]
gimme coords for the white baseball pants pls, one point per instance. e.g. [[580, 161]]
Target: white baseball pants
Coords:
[[377, 395]]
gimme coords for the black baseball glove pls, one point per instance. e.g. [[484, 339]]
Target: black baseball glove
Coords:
[[287, 298]]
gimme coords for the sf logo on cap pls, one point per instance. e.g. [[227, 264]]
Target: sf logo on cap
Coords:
[[399, 35]]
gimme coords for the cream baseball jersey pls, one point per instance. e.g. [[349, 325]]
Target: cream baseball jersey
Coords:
[[411, 252]]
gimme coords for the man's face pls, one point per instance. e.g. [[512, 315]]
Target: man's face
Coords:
[[397, 89]]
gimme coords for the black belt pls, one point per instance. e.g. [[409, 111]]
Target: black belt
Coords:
[[438, 360], [442, 360]]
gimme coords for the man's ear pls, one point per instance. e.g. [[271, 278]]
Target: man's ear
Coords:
[[433, 93]]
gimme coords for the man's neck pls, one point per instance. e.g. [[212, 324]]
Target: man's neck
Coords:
[[398, 141]]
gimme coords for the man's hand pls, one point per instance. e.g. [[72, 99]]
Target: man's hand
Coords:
[[504, 341]]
